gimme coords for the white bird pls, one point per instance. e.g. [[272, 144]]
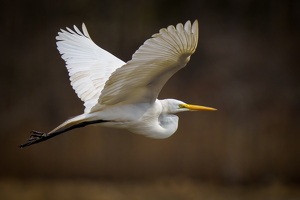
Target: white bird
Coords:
[[124, 95]]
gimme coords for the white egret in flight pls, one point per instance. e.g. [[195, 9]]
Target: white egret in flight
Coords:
[[124, 95]]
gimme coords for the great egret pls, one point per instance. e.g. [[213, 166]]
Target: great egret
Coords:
[[124, 95]]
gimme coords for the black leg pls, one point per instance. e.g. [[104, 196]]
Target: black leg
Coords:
[[37, 137]]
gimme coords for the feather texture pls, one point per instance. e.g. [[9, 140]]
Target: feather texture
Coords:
[[89, 66], [141, 79]]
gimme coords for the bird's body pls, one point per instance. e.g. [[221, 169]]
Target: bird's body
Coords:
[[124, 95]]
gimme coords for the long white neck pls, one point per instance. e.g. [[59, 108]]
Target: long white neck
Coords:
[[157, 122], [168, 123]]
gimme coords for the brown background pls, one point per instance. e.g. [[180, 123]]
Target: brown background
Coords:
[[246, 65]]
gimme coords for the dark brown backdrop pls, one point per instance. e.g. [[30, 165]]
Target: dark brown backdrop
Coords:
[[246, 65]]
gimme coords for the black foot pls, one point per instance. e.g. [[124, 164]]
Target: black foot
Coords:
[[36, 137]]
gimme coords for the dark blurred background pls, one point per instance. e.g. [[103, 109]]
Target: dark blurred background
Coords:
[[246, 65]]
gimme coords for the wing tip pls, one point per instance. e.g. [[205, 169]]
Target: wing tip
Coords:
[[63, 33], [195, 27], [85, 31]]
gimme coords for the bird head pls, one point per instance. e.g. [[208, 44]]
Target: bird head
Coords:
[[175, 106]]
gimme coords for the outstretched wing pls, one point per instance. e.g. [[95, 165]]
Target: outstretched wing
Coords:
[[89, 66], [141, 79]]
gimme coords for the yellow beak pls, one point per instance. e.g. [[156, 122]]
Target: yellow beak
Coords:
[[194, 107]]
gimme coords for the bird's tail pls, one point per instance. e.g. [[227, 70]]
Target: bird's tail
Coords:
[[70, 122]]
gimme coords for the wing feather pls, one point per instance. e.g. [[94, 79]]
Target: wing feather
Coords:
[[141, 79], [89, 66]]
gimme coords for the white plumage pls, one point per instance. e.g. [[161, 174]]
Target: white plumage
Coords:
[[89, 66], [124, 95]]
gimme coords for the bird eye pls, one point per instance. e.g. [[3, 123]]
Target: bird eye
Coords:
[[181, 106]]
